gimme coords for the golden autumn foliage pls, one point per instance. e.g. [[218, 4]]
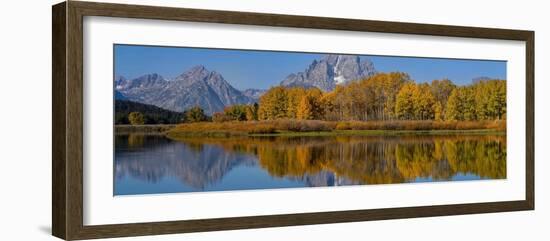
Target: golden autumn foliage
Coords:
[[280, 102], [274, 104], [441, 90], [310, 106], [387, 97], [484, 100], [404, 106], [381, 97]]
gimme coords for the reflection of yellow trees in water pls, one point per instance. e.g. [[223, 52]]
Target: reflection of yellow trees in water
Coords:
[[374, 159], [463, 156], [296, 161], [419, 160], [135, 140]]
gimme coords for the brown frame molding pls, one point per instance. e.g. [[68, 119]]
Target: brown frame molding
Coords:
[[67, 120]]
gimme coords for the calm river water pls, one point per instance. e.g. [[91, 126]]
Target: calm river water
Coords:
[[147, 164]]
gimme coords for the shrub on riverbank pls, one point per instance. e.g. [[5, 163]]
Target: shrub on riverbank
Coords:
[[276, 126], [146, 129], [421, 125]]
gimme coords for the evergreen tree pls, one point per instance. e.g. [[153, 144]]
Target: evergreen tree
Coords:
[[195, 114], [236, 112], [252, 112], [136, 118]]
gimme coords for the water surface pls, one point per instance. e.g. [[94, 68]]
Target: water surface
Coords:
[[147, 164]]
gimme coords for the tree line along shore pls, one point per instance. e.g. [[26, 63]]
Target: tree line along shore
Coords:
[[385, 101]]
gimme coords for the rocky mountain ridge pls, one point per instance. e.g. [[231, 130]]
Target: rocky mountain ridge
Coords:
[[195, 87], [199, 86], [330, 71]]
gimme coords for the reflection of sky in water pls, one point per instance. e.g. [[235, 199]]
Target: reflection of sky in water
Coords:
[[154, 164], [238, 178], [457, 177]]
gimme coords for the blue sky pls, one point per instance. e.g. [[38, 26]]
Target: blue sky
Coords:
[[261, 69]]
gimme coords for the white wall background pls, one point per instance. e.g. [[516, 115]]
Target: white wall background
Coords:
[[25, 122]]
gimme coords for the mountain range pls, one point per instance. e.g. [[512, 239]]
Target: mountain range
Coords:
[[209, 90], [195, 87], [254, 93], [330, 71]]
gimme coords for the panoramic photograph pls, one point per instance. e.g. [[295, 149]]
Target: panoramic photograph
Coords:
[[192, 119]]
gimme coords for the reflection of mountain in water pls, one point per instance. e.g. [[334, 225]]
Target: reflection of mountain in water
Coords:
[[325, 179], [313, 161], [196, 165]]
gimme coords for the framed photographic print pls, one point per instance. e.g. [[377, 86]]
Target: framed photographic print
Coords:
[[170, 120]]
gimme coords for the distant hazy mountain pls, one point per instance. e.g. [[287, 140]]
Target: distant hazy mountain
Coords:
[[119, 96], [481, 78], [196, 87], [326, 73], [254, 93]]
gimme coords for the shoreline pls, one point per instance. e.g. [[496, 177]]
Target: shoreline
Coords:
[[178, 135], [143, 129], [383, 132], [315, 128], [290, 127]]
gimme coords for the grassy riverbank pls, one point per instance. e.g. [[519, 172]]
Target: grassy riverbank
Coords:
[[144, 129], [329, 128]]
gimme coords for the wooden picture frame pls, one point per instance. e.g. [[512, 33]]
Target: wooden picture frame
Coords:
[[67, 150]]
